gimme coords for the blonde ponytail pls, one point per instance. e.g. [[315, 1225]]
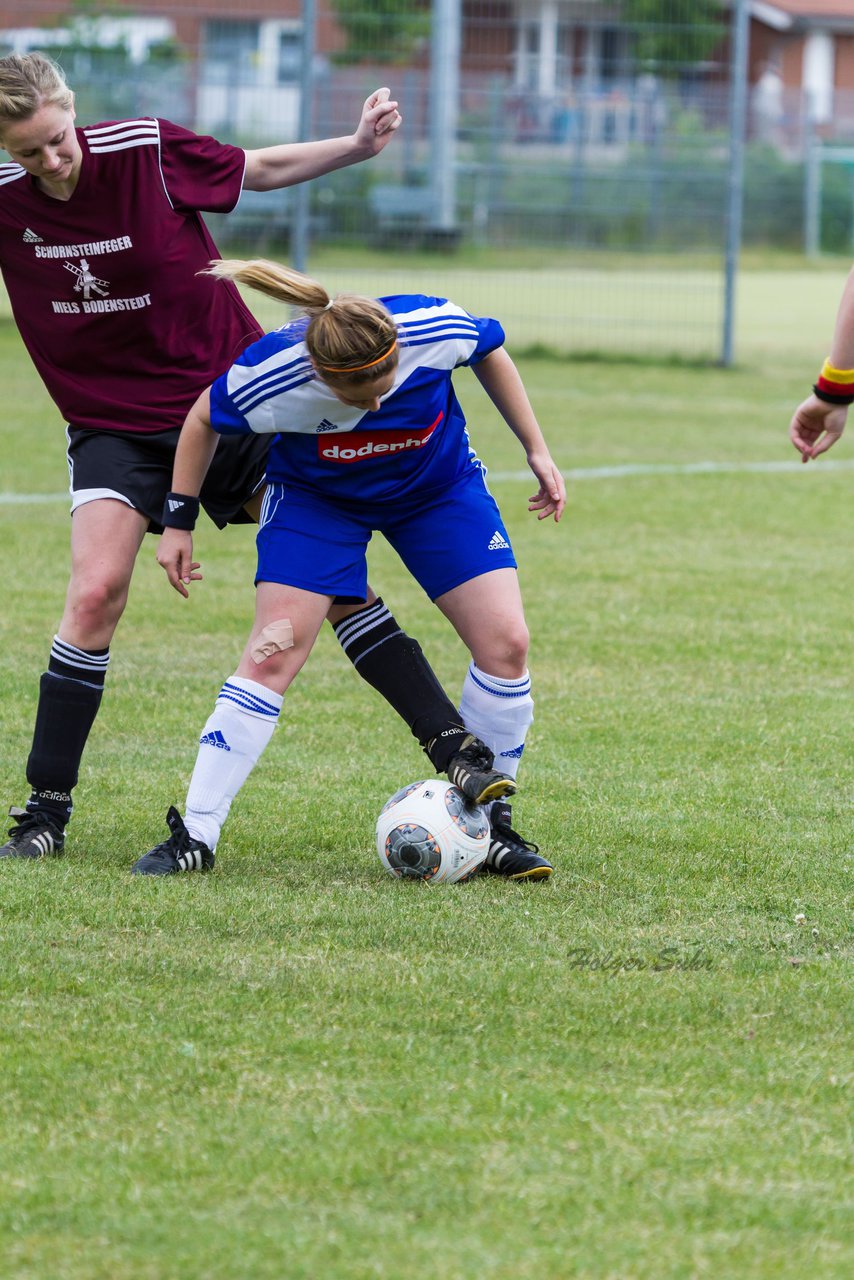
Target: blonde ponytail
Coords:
[[350, 337], [278, 282]]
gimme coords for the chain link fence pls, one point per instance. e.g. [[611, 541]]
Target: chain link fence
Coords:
[[562, 162]]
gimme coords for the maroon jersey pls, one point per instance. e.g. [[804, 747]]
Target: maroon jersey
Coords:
[[104, 286]]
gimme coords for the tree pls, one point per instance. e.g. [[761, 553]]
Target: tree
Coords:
[[671, 35], [94, 40], [385, 30]]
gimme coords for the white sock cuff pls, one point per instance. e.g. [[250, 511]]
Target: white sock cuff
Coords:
[[519, 688], [85, 659], [253, 698]]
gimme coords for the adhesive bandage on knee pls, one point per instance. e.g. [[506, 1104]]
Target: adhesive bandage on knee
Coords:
[[500, 712], [274, 638]]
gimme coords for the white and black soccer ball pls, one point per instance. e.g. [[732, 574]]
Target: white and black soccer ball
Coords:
[[430, 831]]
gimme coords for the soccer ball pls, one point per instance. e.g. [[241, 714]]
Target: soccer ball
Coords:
[[430, 831]]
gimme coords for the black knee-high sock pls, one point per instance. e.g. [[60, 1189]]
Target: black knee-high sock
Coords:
[[394, 664], [70, 694]]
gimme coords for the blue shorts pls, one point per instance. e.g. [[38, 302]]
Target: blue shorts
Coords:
[[445, 538]]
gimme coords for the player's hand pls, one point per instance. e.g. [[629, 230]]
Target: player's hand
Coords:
[[379, 122], [816, 426], [175, 556], [550, 498]]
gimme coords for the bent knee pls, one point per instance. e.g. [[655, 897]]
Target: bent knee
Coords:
[[95, 603], [505, 655], [274, 654]]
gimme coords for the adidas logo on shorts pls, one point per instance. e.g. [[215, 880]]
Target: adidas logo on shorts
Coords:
[[214, 739], [498, 542]]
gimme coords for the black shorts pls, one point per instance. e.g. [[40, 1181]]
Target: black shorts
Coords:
[[137, 469]]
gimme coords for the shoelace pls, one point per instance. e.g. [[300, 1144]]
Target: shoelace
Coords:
[[502, 832], [178, 843], [30, 820], [476, 759]]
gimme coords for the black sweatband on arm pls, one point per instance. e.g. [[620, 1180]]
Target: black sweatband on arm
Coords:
[[180, 511]]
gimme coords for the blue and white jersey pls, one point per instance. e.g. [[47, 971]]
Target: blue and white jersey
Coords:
[[416, 441]]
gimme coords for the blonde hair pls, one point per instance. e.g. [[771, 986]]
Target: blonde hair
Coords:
[[29, 81], [349, 338]]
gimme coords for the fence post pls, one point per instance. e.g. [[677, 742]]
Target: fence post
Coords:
[[302, 191], [735, 177], [812, 183], [444, 110]]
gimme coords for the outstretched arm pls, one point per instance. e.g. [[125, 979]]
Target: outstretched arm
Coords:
[[269, 168], [196, 447], [500, 379], [816, 423]]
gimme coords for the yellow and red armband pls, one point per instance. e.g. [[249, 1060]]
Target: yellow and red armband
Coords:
[[835, 386]]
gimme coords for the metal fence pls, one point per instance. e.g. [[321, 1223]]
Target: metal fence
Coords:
[[560, 164]]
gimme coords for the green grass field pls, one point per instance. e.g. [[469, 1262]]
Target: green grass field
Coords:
[[297, 1067]]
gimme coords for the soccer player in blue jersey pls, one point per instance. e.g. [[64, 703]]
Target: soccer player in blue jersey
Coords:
[[368, 437]]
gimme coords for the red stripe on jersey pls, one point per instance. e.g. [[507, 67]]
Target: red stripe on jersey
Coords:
[[361, 445]]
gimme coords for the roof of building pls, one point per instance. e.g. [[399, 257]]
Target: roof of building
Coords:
[[789, 12]]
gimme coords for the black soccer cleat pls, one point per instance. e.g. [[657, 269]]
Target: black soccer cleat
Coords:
[[511, 856], [471, 770], [181, 852], [34, 835]]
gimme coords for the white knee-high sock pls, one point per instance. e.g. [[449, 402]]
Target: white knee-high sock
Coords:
[[500, 712], [237, 731]]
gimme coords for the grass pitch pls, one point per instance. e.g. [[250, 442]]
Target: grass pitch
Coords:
[[296, 1067]]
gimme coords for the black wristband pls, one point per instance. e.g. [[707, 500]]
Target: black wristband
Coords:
[[829, 397], [179, 511]]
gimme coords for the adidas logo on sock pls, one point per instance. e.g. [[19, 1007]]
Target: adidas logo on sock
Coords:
[[498, 542], [214, 739], [30, 237], [514, 754]]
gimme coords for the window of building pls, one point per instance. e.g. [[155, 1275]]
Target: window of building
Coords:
[[230, 51], [290, 57]]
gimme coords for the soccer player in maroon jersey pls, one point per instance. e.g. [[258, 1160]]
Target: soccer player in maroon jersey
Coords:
[[101, 246]]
